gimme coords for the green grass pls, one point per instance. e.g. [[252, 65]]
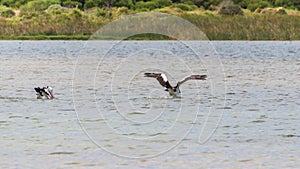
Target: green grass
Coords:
[[46, 37], [68, 26], [254, 27]]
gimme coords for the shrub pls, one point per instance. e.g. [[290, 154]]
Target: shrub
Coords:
[[260, 4], [142, 9], [184, 6], [243, 4], [13, 3], [101, 12], [124, 3], [153, 4], [123, 10], [162, 3], [89, 4], [7, 13], [76, 13], [231, 10], [146, 5], [38, 5], [292, 4], [33, 8], [72, 4], [56, 9], [29, 14], [279, 3]]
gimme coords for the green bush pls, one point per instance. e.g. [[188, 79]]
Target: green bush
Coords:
[[292, 4], [150, 5], [142, 9], [76, 13], [29, 14], [13, 3], [7, 12], [253, 7], [123, 10], [184, 6], [38, 5], [162, 3], [56, 9], [279, 3], [101, 12], [89, 4], [231, 10], [124, 3], [72, 4], [259, 4]]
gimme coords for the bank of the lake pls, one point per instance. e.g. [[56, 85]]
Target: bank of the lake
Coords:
[[250, 27], [78, 25]]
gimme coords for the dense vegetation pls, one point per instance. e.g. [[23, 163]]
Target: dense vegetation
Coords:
[[150, 4], [219, 19]]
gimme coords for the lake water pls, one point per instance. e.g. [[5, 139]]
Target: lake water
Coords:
[[106, 114]]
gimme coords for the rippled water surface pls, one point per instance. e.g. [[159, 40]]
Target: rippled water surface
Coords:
[[106, 114]]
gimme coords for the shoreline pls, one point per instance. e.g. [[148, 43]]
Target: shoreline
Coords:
[[46, 37], [57, 22], [57, 39], [249, 27], [88, 37]]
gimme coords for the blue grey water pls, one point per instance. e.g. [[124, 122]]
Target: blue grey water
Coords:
[[107, 115]]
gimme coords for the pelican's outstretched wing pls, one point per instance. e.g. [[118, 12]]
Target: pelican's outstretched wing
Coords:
[[44, 91], [161, 77], [38, 90], [192, 77]]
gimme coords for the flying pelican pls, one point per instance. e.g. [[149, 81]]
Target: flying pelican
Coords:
[[173, 91]]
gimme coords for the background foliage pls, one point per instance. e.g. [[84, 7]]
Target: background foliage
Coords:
[[218, 19], [150, 4]]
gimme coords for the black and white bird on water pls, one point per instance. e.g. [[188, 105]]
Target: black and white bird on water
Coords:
[[44, 93], [173, 91]]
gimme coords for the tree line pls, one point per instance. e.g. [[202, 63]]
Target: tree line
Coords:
[[152, 4]]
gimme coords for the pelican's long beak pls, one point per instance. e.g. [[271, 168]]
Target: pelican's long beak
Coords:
[[51, 95]]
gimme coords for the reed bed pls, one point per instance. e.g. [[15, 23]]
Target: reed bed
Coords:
[[251, 27], [74, 25]]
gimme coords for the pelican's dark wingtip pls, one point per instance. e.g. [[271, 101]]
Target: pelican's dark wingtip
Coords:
[[200, 77], [146, 74]]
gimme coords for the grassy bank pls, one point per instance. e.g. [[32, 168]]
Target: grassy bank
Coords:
[[46, 37], [251, 27], [77, 25]]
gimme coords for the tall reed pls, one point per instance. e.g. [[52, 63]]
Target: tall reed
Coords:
[[216, 27], [252, 27]]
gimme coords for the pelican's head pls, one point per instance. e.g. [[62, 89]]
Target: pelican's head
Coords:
[[49, 91]]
